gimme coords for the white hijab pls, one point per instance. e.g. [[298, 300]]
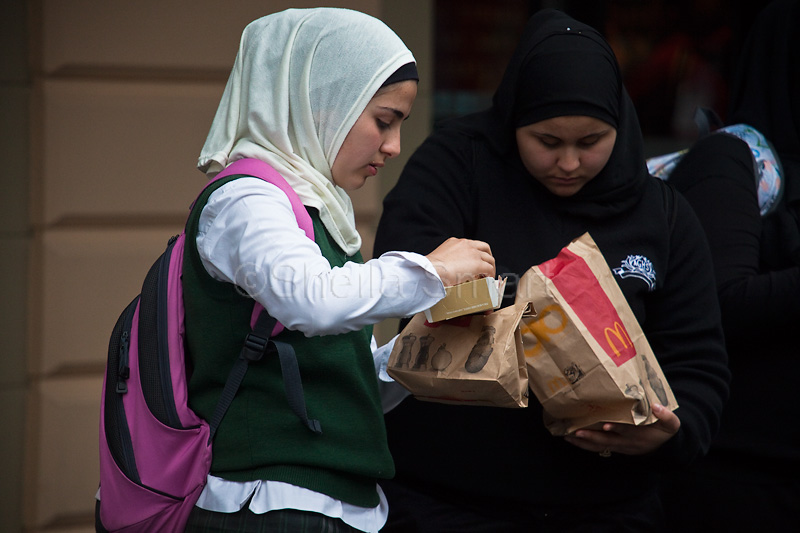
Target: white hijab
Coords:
[[301, 79]]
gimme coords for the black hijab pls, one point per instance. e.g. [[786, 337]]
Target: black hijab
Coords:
[[564, 67], [765, 94]]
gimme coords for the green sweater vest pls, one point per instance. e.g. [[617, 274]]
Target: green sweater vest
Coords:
[[260, 437]]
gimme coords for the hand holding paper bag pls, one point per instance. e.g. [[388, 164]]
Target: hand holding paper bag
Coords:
[[587, 357], [571, 337]]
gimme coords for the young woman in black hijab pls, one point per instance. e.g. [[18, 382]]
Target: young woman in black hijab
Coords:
[[749, 479], [559, 153]]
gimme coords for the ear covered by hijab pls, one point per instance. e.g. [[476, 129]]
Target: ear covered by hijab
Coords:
[[564, 67], [301, 79]]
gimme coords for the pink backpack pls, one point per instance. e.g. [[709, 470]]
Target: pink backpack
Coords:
[[155, 452]]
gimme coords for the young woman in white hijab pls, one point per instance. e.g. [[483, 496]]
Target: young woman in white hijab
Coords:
[[320, 95]]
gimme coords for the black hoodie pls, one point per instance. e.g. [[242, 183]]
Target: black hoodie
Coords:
[[467, 180]]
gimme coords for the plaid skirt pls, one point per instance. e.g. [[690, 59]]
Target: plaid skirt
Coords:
[[281, 521]]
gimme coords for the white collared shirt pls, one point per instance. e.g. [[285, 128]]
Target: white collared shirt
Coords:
[[248, 235]]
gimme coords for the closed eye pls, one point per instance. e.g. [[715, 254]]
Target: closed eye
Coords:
[[589, 141], [550, 142]]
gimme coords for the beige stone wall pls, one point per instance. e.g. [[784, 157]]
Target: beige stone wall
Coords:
[[104, 106]]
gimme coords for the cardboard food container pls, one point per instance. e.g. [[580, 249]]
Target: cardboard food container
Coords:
[[474, 296]]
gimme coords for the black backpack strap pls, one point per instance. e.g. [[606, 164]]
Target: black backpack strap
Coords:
[[256, 345], [292, 384]]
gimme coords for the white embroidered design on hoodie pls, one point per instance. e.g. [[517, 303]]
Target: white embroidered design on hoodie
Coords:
[[638, 266]]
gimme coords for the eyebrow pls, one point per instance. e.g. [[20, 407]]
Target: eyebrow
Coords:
[[593, 134], [399, 114]]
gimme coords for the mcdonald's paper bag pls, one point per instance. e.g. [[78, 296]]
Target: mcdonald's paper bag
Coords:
[[470, 360], [588, 359]]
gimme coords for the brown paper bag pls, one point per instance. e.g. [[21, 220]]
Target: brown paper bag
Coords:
[[470, 360], [588, 359]]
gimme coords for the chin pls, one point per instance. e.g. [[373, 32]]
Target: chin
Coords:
[[564, 192], [354, 184]]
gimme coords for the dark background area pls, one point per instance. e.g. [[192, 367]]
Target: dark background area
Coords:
[[674, 55]]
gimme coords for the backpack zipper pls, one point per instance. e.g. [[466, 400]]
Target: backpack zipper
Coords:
[[124, 370], [126, 446]]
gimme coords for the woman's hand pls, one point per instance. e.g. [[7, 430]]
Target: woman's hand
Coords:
[[628, 439], [459, 260]]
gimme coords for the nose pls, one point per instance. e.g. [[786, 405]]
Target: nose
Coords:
[[569, 160], [391, 144]]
